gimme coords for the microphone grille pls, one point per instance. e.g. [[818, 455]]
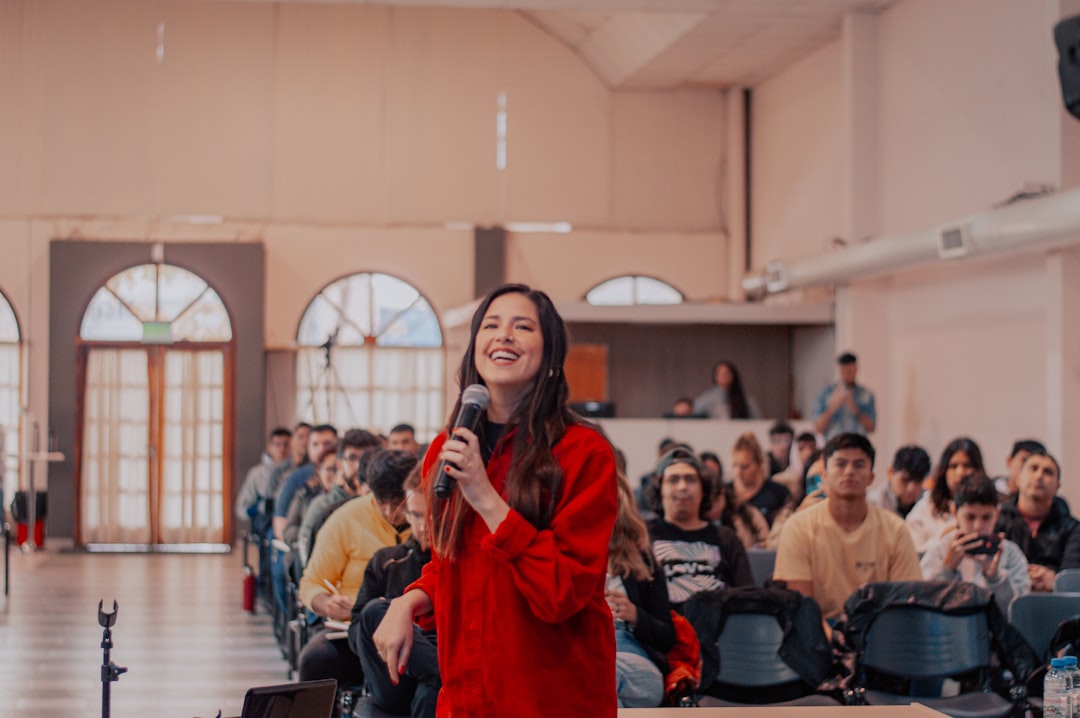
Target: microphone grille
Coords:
[[476, 394]]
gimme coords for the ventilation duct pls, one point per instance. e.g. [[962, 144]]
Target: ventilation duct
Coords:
[[1027, 224]]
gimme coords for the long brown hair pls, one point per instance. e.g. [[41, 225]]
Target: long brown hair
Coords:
[[534, 478], [630, 551]]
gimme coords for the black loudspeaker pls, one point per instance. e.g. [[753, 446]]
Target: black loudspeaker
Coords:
[[1067, 37]]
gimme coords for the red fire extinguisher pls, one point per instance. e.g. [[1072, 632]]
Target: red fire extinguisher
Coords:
[[249, 589]]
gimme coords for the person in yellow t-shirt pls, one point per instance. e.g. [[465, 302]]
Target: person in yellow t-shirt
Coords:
[[830, 549]]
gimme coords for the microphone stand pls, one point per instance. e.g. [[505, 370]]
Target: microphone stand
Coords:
[[110, 672]]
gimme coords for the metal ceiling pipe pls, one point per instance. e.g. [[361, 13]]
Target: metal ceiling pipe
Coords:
[[1042, 221]]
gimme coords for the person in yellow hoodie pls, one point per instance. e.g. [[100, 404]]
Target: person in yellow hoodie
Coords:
[[341, 551]]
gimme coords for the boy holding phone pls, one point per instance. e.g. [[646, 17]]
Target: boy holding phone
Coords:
[[972, 552]]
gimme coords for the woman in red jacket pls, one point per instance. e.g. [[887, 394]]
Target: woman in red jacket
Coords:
[[516, 580]]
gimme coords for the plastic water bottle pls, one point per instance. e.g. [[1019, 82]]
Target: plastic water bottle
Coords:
[[1056, 691], [1073, 674]]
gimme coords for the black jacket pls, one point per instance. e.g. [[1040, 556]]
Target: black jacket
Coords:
[[804, 648], [1009, 647], [654, 629], [389, 572], [1056, 545]]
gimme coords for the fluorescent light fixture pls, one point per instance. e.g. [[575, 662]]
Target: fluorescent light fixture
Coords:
[[196, 218], [539, 227]]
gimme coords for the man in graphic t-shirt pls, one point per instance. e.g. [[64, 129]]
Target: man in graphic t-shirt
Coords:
[[695, 554]]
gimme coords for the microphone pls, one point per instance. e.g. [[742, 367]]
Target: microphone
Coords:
[[474, 401]]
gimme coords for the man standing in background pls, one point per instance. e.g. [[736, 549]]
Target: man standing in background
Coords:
[[845, 407]]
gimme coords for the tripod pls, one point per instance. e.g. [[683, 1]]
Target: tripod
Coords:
[[110, 672], [330, 383]]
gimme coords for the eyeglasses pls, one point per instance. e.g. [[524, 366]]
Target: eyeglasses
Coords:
[[352, 458]]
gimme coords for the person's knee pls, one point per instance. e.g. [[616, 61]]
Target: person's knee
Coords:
[[372, 615]]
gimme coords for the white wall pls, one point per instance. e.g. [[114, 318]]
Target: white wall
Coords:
[[344, 137], [797, 148], [979, 347]]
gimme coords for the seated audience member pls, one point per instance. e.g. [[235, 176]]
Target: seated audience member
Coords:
[[904, 479], [666, 445], [793, 477], [1038, 521], [682, 408], [256, 487], [805, 445], [346, 542], [751, 484], [1006, 484], [781, 436], [298, 458], [403, 438], [637, 595], [725, 399], [326, 471], [346, 484], [931, 517], [319, 438], [744, 519], [812, 489], [828, 550], [387, 575], [712, 465], [695, 554], [963, 554]]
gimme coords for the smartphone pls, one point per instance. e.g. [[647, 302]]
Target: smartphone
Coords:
[[815, 482], [987, 544]]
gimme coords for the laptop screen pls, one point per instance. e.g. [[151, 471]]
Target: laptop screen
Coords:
[[310, 699]]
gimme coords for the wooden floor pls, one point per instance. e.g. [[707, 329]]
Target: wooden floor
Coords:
[[189, 648]]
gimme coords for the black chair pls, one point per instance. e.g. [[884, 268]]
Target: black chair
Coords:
[[762, 561], [1067, 581], [751, 669], [1037, 615], [910, 650]]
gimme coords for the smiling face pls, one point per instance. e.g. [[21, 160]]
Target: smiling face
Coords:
[[509, 347]]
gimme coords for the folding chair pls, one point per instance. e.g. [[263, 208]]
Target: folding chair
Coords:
[[1067, 581], [917, 647], [762, 561], [750, 666], [1037, 615]]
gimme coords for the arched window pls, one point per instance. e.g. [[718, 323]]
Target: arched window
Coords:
[[155, 455], [10, 391], [370, 356], [157, 304], [633, 289]]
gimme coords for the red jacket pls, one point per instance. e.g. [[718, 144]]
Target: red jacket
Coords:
[[523, 626]]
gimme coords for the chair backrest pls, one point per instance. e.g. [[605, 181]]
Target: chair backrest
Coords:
[[1067, 581], [1037, 616], [920, 642], [762, 561], [748, 648]]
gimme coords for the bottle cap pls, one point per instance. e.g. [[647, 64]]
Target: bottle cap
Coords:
[[1057, 662], [1070, 661]]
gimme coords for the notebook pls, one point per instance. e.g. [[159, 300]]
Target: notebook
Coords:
[[309, 699]]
